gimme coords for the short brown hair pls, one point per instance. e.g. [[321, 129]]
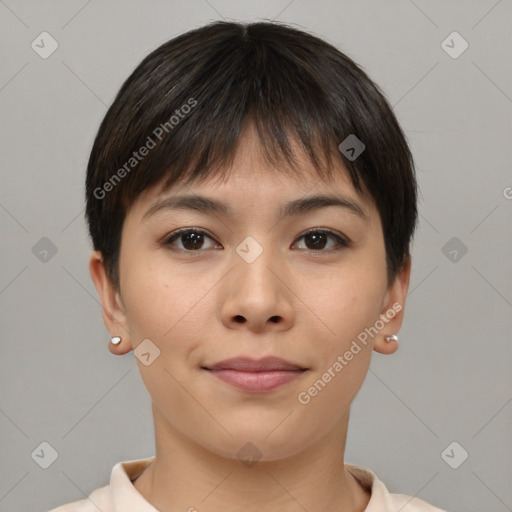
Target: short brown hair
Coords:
[[188, 101]]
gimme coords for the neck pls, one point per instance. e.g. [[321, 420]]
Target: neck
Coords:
[[187, 476]]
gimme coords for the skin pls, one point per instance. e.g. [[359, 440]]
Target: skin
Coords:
[[293, 302]]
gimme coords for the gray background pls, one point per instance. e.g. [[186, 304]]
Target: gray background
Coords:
[[449, 381]]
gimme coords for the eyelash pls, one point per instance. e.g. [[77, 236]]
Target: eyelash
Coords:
[[342, 241]]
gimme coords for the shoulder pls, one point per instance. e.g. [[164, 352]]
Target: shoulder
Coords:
[[382, 500], [98, 499], [118, 495], [411, 504]]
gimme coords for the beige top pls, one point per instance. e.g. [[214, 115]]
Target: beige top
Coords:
[[121, 496]]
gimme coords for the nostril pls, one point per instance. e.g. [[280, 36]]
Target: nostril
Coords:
[[240, 319], [275, 319]]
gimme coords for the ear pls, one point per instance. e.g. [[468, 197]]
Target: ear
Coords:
[[114, 316], [393, 307]]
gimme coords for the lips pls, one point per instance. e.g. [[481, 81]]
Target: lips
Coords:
[[261, 375], [245, 364]]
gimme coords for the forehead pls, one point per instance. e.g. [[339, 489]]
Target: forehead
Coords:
[[252, 178]]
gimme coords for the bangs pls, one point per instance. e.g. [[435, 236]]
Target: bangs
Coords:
[[261, 83], [285, 151]]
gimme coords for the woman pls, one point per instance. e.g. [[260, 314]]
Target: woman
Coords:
[[251, 200]]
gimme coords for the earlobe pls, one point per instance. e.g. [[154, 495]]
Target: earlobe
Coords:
[[113, 312], [386, 344], [392, 314]]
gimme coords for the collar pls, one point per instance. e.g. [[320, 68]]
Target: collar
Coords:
[[126, 497]]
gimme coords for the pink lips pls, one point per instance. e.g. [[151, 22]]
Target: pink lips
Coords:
[[256, 375]]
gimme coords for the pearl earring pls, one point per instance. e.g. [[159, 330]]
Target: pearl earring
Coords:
[[391, 337], [115, 340]]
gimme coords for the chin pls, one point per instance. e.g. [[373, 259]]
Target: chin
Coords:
[[261, 445]]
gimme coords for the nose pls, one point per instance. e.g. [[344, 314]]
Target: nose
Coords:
[[257, 296]]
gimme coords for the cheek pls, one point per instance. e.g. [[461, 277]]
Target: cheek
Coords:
[[154, 299], [343, 349], [162, 304], [346, 302], [149, 303]]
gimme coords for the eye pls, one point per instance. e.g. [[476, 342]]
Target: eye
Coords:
[[191, 239], [316, 240]]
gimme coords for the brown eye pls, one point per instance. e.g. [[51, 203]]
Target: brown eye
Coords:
[[317, 240], [191, 239]]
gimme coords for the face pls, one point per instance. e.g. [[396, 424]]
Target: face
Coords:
[[253, 283]]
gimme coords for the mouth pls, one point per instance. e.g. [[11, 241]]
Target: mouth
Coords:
[[257, 376]]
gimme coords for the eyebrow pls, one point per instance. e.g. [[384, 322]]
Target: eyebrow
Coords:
[[299, 206]]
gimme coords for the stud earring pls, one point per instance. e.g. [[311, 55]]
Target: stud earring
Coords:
[[115, 340], [391, 337]]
